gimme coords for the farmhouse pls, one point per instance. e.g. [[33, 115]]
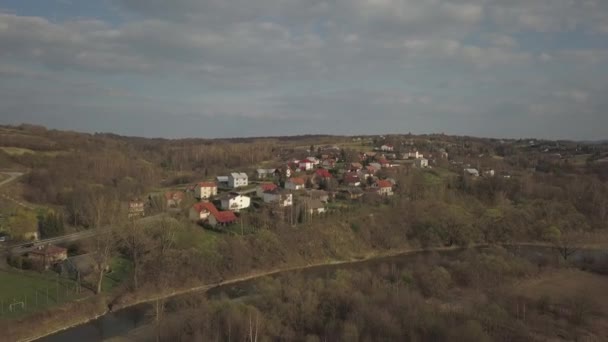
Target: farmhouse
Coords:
[[49, 255], [295, 183], [282, 197], [383, 188], [207, 212]]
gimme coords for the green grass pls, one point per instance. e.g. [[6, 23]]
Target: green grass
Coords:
[[31, 288], [120, 269]]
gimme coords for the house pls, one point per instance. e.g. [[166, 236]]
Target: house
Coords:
[[322, 174], [329, 163], [136, 208], [315, 161], [321, 195], [265, 173], [174, 198], [207, 212], [205, 190], [489, 173], [352, 193], [375, 166], [47, 256], [471, 172], [296, 183], [237, 179], [383, 188], [422, 163], [283, 198], [412, 155], [443, 154], [305, 165], [356, 166], [313, 206], [222, 181], [263, 187], [284, 171], [384, 162], [387, 148], [351, 179], [235, 202]]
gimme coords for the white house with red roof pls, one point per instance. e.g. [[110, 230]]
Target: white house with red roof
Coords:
[[207, 212], [205, 190], [383, 187]]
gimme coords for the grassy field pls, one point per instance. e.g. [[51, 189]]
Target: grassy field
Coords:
[[23, 292], [120, 269]]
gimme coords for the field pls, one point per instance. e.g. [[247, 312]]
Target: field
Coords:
[[120, 270], [563, 288], [18, 151], [23, 292]]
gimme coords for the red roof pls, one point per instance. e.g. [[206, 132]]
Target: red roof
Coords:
[[351, 178], [220, 216], [297, 181], [225, 217], [384, 184], [268, 186], [207, 185], [323, 173], [383, 161]]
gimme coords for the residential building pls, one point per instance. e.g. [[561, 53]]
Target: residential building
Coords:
[[383, 188], [321, 195], [205, 190], [314, 160], [313, 206], [235, 202], [174, 198], [384, 162], [305, 165], [296, 183], [282, 197], [422, 163], [351, 179], [237, 179], [352, 193], [136, 208], [323, 174], [387, 148], [263, 187], [47, 256], [375, 166], [355, 167], [207, 212], [471, 172], [489, 173], [265, 173], [329, 163], [222, 181]]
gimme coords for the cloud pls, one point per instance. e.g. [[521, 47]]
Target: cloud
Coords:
[[344, 65]]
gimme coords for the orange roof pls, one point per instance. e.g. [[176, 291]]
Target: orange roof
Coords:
[[50, 250], [220, 216], [207, 185], [384, 184], [174, 195], [297, 181]]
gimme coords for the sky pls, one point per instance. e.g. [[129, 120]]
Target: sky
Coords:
[[218, 68]]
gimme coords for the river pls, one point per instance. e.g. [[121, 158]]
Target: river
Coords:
[[123, 321]]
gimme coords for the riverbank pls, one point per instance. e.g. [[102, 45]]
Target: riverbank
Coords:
[[129, 302], [139, 299]]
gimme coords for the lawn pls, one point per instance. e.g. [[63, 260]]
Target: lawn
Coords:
[[120, 269], [18, 151], [23, 292]]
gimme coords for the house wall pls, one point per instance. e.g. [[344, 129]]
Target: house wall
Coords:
[[205, 192], [292, 186], [237, 182], [237, 203]]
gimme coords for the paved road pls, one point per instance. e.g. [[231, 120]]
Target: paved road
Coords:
[[25, 247]]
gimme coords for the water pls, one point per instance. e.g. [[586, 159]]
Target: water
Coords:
[[123, 321]]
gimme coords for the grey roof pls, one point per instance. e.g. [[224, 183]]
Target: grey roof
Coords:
[[222, 179], [238, 175]]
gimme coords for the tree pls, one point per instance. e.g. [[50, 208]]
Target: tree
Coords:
[[23, 223], [135, 243], [50, 224]]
